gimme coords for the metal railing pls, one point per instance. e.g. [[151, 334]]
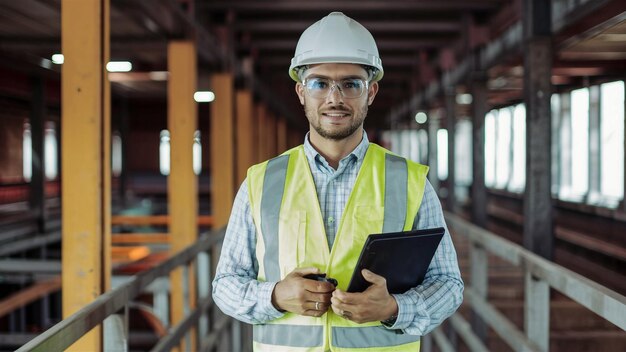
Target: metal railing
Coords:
[[106, 308], [540, 275]]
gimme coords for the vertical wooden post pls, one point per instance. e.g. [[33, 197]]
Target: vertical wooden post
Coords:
[[450, 96], [433, 174], [281, 138], [182, 183], [246, 143], [222, 144], [479, 110], [271, 135], [37, 196], [85, 159], [261, 119], [538, 236]]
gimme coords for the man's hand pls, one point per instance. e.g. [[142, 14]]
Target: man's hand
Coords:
[[373, 304], [302, 296]]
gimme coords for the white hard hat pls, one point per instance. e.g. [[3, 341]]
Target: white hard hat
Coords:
[[336, 38]]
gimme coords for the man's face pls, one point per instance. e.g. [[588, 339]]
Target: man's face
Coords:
[[335, 116]]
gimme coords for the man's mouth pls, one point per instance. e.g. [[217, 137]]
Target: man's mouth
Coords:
[[336, 114]]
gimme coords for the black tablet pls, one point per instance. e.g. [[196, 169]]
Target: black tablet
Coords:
[[402, 258]]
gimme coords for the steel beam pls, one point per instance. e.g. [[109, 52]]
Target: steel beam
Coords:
[[450, 98], [349, 6], [375, 26], [479, 110], [538, 234]]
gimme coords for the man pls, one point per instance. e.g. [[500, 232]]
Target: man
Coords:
[[310, 210]]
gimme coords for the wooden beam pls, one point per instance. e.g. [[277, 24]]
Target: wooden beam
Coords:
[[375, 26], [29, 295], [140, 238], [85, 159], [271, 135], [261, 130], [281, 138], [155, 220], [182, 182], [246, 142], [222, 145]]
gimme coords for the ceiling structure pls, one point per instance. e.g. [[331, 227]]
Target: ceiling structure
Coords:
[[420, 42]]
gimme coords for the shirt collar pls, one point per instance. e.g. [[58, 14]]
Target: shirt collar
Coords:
[[358, 152]]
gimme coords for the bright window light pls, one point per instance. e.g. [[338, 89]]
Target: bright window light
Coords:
[[423, 145], [503, 147], [442, 154], [116, 154], [612, 127], [197, 153], [58, 59], [164, 153], [51, 166], [204, 96], [27, 153], [490, 148], [518, 178], [119, 66], [463, 153], [580, 142]]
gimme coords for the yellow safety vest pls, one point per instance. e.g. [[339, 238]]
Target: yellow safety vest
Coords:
[[290, 234]]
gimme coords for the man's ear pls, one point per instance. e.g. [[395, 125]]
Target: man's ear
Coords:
[[371, 93], [300, 92]]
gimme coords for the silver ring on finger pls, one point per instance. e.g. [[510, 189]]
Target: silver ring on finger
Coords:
[[317, 305]]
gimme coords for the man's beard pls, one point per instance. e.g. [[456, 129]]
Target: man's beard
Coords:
[[357, 121]]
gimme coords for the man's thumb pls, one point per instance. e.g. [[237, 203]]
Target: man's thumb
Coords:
[[373, 278]]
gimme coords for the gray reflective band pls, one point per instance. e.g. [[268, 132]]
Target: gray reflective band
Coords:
[[371, 336], [289, 335], [273, 189], [396, 183]]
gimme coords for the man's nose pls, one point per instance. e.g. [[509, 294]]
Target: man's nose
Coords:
[[334, 95]]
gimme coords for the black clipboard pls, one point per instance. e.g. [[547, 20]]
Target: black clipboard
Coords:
[[402, 258]]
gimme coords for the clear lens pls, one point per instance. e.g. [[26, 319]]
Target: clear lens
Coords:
[[321, 87]]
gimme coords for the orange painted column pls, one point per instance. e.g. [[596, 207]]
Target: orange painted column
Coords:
[[182, 182], [246, 136], [262, 142], [281, 135], [222, 148], [85, 147], [271, 135]]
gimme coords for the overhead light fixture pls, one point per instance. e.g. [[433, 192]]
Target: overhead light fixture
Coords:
[[204, 96], [119, 66], [58, 59], [464, 99], [158, 75], [421, 117]]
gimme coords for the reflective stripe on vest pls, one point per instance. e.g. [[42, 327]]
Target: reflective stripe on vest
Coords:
[[370, 336], [311, 336], [396, 176], [273, 188], [289, 335]]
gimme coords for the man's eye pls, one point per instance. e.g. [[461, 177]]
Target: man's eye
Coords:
[[351, 84], [318, 84]]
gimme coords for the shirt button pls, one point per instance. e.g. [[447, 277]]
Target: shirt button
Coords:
[[331, 219]]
